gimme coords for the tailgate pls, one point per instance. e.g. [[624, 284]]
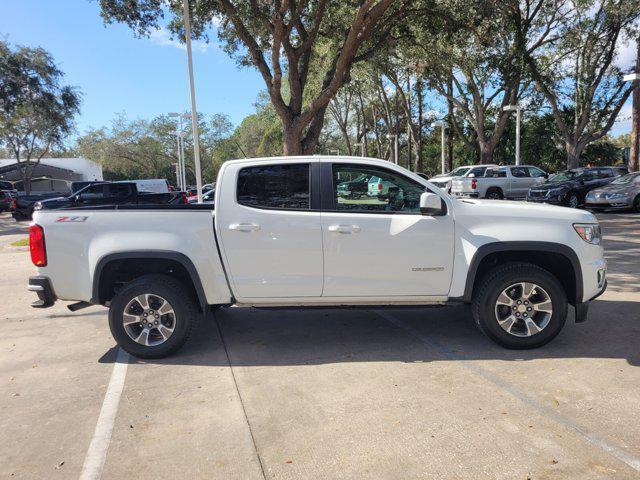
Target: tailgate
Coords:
[[463, 186]]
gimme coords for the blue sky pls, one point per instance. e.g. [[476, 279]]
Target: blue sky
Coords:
[[117, 72], [142, 77]]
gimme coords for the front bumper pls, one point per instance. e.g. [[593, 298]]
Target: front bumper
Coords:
[[42, 286], [582, 309], [609, 205], [555, 200]]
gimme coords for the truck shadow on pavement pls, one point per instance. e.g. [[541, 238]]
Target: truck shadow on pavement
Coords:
[[256, 337]]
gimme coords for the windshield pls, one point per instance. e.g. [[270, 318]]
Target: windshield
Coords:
[[458, 172], [564, 176], [627, 179]]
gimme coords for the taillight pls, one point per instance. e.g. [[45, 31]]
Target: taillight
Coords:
[[474, 182], [185, 200], [14, 204], [36, 245], [380, 186]]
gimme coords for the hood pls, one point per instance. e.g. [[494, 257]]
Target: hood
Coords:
[[504, 208], [552, 185], [611, 188]]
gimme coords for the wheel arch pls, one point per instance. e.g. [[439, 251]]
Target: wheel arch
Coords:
[[560, 260], [121, 267]]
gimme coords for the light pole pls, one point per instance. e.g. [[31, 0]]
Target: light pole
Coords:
[[634, 154], [395, 142], [194, 111], [443, 127], [361, 145], [517, 109], [182, 181]]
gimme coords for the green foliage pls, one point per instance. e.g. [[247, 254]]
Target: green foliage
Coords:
[[36, 110]]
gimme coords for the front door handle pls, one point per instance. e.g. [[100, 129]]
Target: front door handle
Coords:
[[244, 227], [344, 228]]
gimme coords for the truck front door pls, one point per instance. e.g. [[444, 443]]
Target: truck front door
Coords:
[[269, 229], [380, 245]]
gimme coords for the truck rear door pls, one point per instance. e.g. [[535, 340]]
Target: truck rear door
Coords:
[[269, 225]]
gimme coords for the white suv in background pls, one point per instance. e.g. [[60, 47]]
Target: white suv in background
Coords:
[[443, 181]]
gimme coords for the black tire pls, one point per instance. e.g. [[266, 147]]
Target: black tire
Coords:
[[573, 201], [182, 301], [636, 204], [500, 278], [494, 194]]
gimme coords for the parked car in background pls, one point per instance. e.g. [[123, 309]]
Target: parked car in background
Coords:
[[357, 187], [207, 197], [511, 182], [569, 188], [6, 200], [443, 181], [23, 205], [623, 193], [151, 185], [110, 193]]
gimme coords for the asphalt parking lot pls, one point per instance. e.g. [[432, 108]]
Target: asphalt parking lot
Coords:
[[332, 394]]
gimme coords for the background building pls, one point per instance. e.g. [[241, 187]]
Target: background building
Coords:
[[52, 174]]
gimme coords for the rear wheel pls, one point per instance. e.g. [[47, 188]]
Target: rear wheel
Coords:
[[636, 204], [494, 194], [520, 305], [152, 316]]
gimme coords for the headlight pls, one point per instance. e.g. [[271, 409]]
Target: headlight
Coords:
[[613, 196], [589, 232]]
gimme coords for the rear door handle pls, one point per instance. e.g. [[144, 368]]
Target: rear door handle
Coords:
[[344, 228], [244, 227]]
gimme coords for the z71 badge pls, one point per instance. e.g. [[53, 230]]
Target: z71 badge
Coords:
[[71, 219]]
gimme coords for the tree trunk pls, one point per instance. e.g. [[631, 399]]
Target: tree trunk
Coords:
[[573, 154], [292, 141], [486, 152]]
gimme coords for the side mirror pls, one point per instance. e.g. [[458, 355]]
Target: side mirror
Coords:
[[77, 198], [430, 204], [546, 175]]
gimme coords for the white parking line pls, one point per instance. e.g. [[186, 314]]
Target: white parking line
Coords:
[[97, 452], [620, 454]]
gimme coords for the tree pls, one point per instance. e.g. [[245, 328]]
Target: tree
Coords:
[[473, 63], [575, 69], [140, 148], [286, 40], [36, 111]]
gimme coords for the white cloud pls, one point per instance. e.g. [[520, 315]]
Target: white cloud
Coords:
[[162, 37], [626, 55]]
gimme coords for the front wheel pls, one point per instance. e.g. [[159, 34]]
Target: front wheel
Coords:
[[520, 306], [152, 316], [636, 204], [573, 201]]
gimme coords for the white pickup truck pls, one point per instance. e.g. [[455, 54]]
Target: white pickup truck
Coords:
[[496, 183], [282, 234]]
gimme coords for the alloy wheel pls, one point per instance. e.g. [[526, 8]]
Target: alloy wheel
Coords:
[[523, 309], [149, 319]]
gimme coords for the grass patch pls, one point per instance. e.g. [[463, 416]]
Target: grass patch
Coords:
[[23, 242]]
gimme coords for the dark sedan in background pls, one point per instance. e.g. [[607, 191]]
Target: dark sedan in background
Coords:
[[621, 194], [570, 188]]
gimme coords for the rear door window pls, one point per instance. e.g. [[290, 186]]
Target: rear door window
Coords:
[[275, 186], [519, 172]]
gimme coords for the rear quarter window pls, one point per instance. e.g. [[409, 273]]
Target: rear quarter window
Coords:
[[275, 186]]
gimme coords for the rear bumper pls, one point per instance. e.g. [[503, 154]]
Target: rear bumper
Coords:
[[42, 286]]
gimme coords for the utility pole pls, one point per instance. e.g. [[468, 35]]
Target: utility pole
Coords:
[[634, 154], [194, 111], [517, 109]]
